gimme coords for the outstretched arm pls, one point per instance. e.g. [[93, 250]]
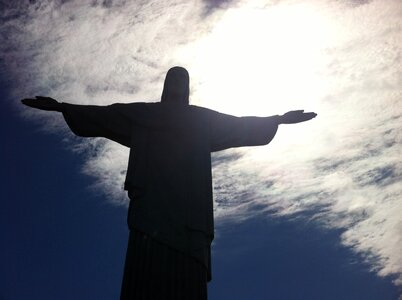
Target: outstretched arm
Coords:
[[229, 131], [110, 121]]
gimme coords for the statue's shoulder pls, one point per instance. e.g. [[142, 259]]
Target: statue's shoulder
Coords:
[[142, 103], [137, 105], [201, 109]]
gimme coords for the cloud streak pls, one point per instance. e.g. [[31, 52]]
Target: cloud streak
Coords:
[[343, 60]]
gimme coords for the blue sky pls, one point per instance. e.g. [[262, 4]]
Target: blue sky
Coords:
[[313, 215]]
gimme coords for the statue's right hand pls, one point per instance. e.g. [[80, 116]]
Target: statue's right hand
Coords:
[[43, 103]]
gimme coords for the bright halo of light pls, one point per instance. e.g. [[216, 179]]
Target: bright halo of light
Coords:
[[259, 61]]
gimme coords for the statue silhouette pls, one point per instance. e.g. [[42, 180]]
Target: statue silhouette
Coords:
[[168, 180]]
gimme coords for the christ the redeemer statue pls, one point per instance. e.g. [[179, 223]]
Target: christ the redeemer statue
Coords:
[[169, 180]]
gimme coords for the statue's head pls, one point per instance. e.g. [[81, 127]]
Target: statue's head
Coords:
[[176, 87]]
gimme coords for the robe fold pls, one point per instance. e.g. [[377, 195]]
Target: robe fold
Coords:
[[169, 179]]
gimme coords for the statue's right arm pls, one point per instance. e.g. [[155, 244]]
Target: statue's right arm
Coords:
[[109, 121]]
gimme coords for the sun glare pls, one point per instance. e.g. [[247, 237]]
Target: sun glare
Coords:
[[258, 61]]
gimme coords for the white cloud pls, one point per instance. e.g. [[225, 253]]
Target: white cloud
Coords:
[[345, 165], [340, 59]]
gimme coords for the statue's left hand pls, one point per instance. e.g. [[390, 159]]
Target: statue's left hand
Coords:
[[43, 103], [296, 116]]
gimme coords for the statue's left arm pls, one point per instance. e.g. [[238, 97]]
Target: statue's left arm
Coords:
[[229, 131]]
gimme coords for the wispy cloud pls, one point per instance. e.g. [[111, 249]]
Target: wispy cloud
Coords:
[[345, 168], [340, 59]]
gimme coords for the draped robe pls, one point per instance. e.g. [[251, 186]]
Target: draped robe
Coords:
[[169, 179]]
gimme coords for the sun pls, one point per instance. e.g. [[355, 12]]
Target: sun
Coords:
[[259, 61]]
